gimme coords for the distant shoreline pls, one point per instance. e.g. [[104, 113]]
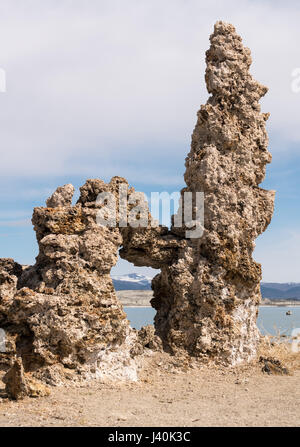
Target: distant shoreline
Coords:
[[142, 298], [141, 307], [278, 305], [261, 305], [287, 303]]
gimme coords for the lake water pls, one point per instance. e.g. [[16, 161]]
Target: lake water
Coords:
[[270, 319]]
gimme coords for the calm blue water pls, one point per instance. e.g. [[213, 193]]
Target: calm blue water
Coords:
[[140, 316], [270, 319]]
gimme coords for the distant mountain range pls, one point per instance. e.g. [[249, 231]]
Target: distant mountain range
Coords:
[[277, 291], [271, 290], [132, 281]]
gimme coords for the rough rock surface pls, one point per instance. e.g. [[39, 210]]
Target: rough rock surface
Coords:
[[10, 272], [19, 385], [61, 197], [62, 316], [207, 295]]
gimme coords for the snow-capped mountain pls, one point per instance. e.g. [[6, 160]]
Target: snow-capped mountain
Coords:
[[132, 281]]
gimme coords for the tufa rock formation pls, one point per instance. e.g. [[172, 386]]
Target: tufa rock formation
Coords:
[[207, 296], [62, 318]]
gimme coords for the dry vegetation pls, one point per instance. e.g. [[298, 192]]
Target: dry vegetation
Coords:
[[274, 348]]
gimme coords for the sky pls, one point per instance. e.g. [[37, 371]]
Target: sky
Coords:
[[102, 88]]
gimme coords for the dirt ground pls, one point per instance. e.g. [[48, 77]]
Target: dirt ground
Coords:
[[167, 396]]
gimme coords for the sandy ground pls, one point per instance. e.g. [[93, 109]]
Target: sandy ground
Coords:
[[167, 396]]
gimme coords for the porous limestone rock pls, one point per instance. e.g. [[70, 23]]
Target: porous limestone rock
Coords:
[[61, 197], [63, 313], [215, 296], [20, 385], [207, 294], [10, 271]]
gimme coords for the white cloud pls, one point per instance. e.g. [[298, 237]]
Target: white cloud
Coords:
[[279, 255], [15, 223], [14, 213], [124, 267], [101, 81]]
